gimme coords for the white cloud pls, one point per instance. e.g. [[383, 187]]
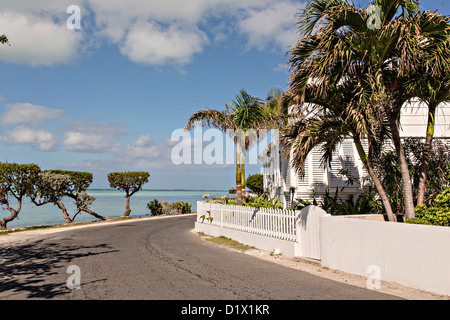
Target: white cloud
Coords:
[[172, 31], [27, 113], [37, 40], [91, 137], [150, 43], [26, 135], [143, 153], [272, 24], [147, 32]]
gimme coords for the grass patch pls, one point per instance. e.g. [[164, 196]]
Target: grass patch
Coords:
[[230, 243]]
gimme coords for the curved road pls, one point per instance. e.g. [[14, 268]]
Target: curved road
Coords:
[[153, 259]]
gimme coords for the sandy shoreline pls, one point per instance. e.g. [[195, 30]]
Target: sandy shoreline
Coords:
[[306, 265]]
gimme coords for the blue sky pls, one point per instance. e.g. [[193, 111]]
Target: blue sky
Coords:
[[109, 96]]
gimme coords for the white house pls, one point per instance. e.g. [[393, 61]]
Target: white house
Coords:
[[279, 177]]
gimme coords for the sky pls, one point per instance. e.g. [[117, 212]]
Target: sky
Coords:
[[108, 85]]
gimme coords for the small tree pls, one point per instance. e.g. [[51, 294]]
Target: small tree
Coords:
[[79, 183], [256, 183], [51, 188], [130, 182], [16, 180]]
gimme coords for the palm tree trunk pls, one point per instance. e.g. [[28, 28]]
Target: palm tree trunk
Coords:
[[243, 174], [426, 155], [376, 181], [238, 175], [404, 171]]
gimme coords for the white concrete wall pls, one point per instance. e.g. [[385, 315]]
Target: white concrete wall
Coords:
[[417, 256]]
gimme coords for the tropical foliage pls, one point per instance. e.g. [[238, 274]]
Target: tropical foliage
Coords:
[[335, 205], [243, 121], [157, 207], [376, 63], [255, 183], [439, 214]]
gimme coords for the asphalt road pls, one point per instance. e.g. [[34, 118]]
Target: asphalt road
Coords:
[[153, 259]]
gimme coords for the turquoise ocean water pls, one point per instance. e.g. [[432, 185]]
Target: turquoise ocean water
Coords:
[[110, 203]]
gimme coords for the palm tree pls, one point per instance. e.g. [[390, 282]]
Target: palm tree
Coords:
[[433, 91], [335, 118], [344, 44], [245, 113], [433, 94]]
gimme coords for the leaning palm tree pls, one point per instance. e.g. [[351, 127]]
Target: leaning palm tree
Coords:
[[245, 113], [339, 41]]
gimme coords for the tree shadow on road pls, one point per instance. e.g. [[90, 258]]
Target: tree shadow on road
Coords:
[[37, 270]]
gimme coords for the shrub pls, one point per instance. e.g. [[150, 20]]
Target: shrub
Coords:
[[163, 207], [335, 205], [260, 202], [255, 183], [181, 207], [438, 215], [155, 207]]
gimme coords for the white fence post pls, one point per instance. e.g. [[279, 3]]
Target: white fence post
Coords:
[[275, 223]]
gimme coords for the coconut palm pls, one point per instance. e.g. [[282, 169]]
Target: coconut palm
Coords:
[[339, 41], [245, 113]]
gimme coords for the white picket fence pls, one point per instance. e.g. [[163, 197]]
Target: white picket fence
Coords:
[[294, 233], [275, 223]]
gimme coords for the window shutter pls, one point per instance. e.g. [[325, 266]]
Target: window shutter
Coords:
[[304, 181], [344, 159], [318, 169]]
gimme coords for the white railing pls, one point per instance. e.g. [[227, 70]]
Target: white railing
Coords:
[[275, 223]]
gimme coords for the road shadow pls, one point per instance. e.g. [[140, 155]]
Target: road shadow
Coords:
[[37, 270]]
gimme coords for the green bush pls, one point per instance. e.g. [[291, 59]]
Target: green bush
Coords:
[[255, 183], [181, 207], [155, 207], [260, 202], [335, 205], [163, 207], [438, 215]]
